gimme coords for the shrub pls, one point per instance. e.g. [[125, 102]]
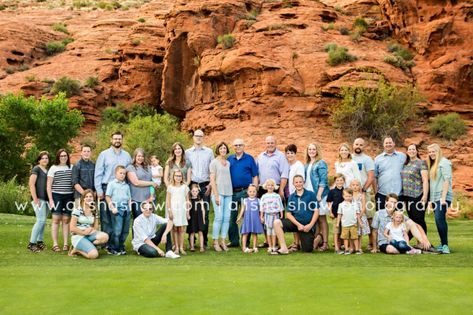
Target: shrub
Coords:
[[329, 26], [2, 7], [400, 51], [136, 42], [448, 126], [67, 41], [226, 40], [60, 27], [360, 24], [15, 198], [463, 204], [91, 82], [344, 31], [338, 54], [10, 70], [398, 62], [196, 61], [80, 4], [23, 67], [141, 20], [55, 47], [32, 78], [67, 85], [385, 110], [252, 15]]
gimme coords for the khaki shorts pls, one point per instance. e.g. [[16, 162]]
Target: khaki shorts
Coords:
[[335, 227], [349, 232]]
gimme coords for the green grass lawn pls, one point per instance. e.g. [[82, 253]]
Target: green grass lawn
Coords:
[[222, 283]]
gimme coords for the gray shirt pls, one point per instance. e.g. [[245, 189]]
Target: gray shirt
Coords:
[[41, 180], [200, 160], [139, 193], [365, 164], [223, 178]]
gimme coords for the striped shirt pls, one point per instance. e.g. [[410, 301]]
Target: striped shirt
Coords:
[[83, 221], [62, 179]]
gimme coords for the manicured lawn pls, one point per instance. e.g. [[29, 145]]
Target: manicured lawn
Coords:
[[223, 283]]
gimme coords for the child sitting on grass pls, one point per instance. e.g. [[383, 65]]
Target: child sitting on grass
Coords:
[[396, 233]]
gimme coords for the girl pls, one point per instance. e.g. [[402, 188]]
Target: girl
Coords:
[[396, 234], [196, 219], [85, 228], [360, 199], [251, 219], [271, 209], [156, 170], [37, 183], [346, 166], [177, 205], [61, 197]]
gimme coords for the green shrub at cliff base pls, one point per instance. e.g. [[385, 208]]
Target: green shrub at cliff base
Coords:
[[15, 198], [376, 112], [448, 126], [227, 40], [28, 125], [67, 85], [338, 54]]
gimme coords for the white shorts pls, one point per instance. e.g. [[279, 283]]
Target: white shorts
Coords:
[[323, 206]]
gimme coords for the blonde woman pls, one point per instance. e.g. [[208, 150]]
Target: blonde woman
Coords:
[[441, 195], [316, 180], [346, 166]]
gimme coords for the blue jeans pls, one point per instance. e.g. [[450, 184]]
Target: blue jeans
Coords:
[[41, 215], [401, 246], [233, 232], [120, 230], [222, 217], [105, 217], [440, 212]]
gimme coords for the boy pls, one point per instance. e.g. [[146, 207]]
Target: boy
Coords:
[[349, 216], [334, 199], [118, 197]]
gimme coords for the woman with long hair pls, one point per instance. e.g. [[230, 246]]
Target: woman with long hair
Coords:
[[177, 160]]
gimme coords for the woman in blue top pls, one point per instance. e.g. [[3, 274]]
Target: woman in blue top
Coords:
[[316, 180], [441, 195]]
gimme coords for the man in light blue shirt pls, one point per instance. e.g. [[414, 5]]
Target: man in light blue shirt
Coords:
[[200, 156], [387, 172], [105, 167]]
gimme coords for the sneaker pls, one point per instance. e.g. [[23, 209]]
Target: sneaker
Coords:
[[347, 252], [33, 248], [445, 249], [172, 255], [41, 245], [340, 252], [359, 252], [123, 252], [112, 252], [439, 248]]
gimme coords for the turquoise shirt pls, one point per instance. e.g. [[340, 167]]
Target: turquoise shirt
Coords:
[[444, 173], [120, 194]]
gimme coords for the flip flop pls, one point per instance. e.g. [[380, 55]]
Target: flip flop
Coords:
[[282, 253]]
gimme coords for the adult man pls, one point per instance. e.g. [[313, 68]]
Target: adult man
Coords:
[[387, 172], [200, 157], [105, 166], [302, 213], [83, 174], [383, 217], [243, 171], [272, 164]]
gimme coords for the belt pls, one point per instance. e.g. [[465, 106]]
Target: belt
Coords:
[[235, 190]]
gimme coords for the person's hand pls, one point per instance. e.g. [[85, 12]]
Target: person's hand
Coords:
[[306, 228], [171, 217], [88, 231], [114, 210], [37, 203], [331, 215], [155, 185], [238, 220], [443, 202], [188, 215], [207, 190], [424, 199], [262, 220], [300, 227], [217, 200], [160, 252], [164, 239], [374, 250], [100, 196], [281, 193], [51, 205]]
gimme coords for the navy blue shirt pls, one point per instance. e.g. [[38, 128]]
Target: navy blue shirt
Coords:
[[242, 170], [302, 207], [335, 196]]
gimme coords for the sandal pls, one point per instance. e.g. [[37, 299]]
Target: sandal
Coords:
[[282, 253], [56, 249], [247, 250], [224, 247], [65, 248], [202, 250], [255, 249], [293, 249], [192, 249], [71, 252], [41, 245], [324, 247], [217, 247]]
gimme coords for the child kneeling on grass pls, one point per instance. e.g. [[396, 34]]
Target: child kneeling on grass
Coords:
[[349, 216]]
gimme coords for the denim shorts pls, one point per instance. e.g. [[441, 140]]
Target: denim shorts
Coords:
[[85, 243], [63, 204]]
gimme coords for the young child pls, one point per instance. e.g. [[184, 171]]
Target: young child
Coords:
[[118, 197], [251, 219], [360, 199], [177, 205], [349, 215], [156, 170], [271, 209], [196, 219], [396, 233], [334, 199]]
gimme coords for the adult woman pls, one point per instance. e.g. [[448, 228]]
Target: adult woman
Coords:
[[140, 179], [316, 180], [346, 166], [295, 168], [177, 160], [85, 228], [37, 183], [222, 192], [61, 197], [415, 186], [441, 195]]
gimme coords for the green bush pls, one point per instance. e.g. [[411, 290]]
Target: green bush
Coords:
[[14, 198], [463, 204], [344, 31], [400, 51], [60, 27], [329, 26], [67, 85], [141, 20], [400, 58], [55, 47], [226, 40], [448, 126], [91, 82], [385, 110], [360, 24], [338, 54]]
